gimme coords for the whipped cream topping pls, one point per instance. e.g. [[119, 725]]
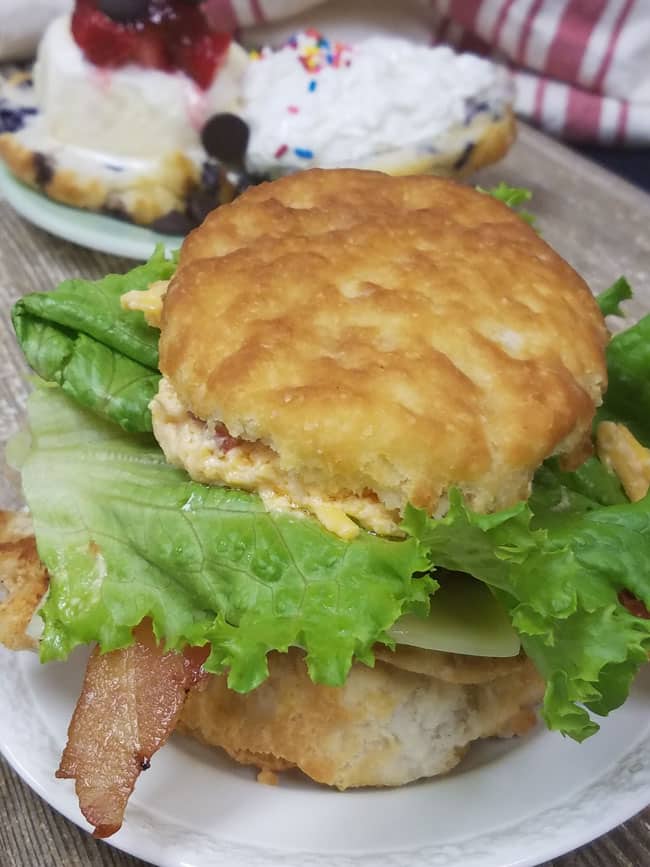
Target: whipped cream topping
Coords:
[[128, 140], [313, 103], [129, 112]]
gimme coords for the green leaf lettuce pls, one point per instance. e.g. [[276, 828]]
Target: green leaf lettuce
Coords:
[[610, 300], [560, 584], [125, 535], [627, 398], [105, 357], [513, 197]]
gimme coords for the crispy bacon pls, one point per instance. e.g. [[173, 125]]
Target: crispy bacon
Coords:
[[129, 705], [226, 442]]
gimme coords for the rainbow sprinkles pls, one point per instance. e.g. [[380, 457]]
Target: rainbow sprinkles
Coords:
[[380, 103]]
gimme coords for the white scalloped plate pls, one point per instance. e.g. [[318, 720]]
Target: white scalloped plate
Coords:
[[97, 231], [511, 804]]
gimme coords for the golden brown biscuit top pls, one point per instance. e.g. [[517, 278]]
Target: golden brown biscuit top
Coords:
[[397, 335]]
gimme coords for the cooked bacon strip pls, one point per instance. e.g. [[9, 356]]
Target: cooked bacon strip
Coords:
[[129, 705], [226, 442]]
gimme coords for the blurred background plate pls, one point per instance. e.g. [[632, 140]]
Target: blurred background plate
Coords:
[[97, 231]]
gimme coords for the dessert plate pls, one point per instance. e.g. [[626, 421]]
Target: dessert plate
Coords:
[[97, 231], [512, 803]]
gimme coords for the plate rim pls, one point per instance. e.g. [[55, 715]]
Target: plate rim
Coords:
[[60, 220]]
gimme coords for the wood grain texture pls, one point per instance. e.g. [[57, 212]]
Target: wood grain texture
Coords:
[[596, 221]]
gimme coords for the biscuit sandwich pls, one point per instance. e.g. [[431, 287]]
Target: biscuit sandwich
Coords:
[[341, 489]]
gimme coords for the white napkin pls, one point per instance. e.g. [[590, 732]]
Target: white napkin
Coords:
[[22, 23], [272, 22]]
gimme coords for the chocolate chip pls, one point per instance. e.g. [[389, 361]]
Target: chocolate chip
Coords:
[[200, 203], [115, 209], [249, 179], [145, 764], [125, 10], [211, 176], [173, 223], [43, 169], [225, 137], [464, 157]]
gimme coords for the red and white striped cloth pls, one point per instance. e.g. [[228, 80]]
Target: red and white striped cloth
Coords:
[[581, 67]]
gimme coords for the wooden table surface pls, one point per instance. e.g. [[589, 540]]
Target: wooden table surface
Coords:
[[599, 223]]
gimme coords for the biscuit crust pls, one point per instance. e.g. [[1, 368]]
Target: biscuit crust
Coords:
[[23, 580], [393, 335], [144, 200], [383, 727]]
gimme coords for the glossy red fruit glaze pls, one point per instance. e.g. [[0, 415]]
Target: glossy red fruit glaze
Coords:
[[102, 41], [202, 56], [175, 35]]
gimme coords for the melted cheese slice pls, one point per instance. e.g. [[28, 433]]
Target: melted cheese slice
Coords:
[[624, 455], [149, 301]]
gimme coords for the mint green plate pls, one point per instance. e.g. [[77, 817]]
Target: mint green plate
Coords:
[[97, 231]]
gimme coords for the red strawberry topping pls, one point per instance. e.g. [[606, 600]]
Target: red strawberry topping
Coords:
[[200, 57], [173, 35], [102, 41]]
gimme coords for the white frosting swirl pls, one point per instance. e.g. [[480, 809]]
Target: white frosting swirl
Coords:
[[386, 94]]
